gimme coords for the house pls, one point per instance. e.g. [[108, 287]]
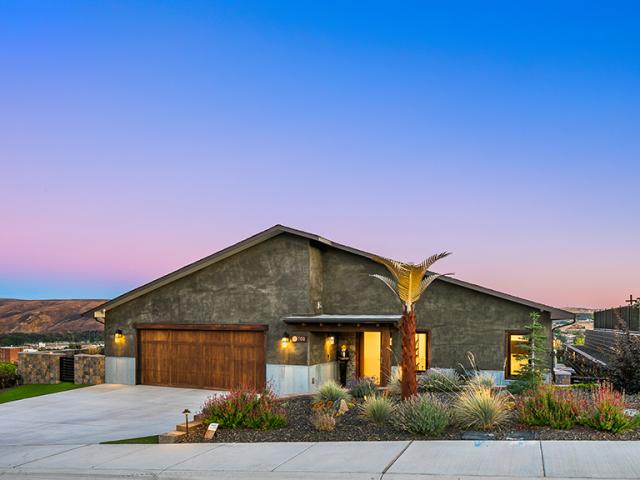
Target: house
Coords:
[[278, 306]]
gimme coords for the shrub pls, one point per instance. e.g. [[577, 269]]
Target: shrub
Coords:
[[363, 387], [323, 421], [440, 380], [377, 409], [581, 386], [550, 407], [422, 414], [606, 412], [8, 368], [330, 390], [482, 379], [245, 409], [8, 375], [481, 408]]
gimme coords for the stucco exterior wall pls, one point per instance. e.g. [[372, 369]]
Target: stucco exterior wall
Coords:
[[461, 320], [291, 275], [257, 286]]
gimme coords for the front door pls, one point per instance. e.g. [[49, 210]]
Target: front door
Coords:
[[370, 359]]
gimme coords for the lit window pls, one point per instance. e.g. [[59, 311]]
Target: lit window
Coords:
[[517, 354], [421, 352]]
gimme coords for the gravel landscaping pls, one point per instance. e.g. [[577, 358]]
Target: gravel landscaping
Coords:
[[353, 427]]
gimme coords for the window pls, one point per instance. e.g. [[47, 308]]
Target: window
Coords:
[[422, 345], [516, 348]]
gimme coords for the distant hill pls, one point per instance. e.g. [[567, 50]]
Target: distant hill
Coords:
[[47, 316]]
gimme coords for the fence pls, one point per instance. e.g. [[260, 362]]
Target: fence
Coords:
[[610, 318], [54, 367]]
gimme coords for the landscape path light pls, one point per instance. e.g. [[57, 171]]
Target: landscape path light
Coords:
[[186, 413]]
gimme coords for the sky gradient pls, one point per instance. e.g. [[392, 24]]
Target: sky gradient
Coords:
[[139, 136]]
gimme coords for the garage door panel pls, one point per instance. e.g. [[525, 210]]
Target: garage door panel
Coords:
[[202, 358], [186, 359], [156, 357]]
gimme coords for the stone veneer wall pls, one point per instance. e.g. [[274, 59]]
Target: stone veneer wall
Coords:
[[39, 367], [88, 369]]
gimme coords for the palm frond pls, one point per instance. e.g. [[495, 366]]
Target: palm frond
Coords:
[[427, 262], [429, 279], [389, 282], [395, 267], [410, 281]]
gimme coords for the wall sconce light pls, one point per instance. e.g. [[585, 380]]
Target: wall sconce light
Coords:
[[285, 340], [119, 336], [331, 339]]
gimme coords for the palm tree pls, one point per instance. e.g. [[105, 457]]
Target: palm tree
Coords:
[[408, 283]]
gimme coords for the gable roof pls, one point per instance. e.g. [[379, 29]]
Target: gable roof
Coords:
[[556, 313]]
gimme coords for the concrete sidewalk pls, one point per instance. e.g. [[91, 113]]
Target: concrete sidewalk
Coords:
[[327, 460]]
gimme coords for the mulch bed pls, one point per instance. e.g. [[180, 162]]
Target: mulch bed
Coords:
[[353, 427]]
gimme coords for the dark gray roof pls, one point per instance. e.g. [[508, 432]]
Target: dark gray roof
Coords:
[[556, 313]]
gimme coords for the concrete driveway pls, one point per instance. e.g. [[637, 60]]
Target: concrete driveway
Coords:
[[97, 414]]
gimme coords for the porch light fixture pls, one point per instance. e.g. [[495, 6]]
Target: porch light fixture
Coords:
[[119, 336], [331, 339], [285, 340]]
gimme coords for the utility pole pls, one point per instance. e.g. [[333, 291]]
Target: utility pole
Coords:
[[631, 301]]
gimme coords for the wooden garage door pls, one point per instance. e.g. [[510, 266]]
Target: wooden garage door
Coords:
[[202, 358]]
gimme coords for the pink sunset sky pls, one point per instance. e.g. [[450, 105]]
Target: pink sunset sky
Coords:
[[131, 147]]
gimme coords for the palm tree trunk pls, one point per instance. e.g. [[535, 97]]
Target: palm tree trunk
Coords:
[[409, 384]]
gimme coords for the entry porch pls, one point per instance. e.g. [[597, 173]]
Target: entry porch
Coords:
[[359, 345]]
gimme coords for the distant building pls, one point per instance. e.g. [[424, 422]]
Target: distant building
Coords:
[[10, 354]]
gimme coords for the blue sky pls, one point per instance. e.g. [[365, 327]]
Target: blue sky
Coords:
[[139, 136]]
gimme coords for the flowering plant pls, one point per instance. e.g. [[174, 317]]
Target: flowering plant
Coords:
[[607, 411], [548, 406], [245, 409]]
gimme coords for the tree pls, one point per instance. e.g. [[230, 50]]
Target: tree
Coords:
[[408, 283], [532, 373]]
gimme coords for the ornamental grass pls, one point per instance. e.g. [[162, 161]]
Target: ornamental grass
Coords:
[[482, 408], [330, 390], [422, 414], [378, 409]]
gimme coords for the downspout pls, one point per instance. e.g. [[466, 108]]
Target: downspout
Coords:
[[553, 354]]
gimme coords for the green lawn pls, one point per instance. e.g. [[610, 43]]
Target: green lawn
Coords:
[[150, 439], [28, 391]]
